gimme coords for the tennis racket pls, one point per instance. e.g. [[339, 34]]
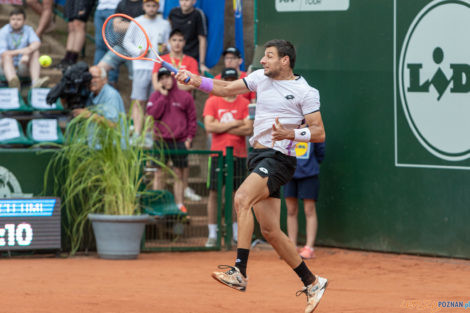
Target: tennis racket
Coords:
[[125, 37]]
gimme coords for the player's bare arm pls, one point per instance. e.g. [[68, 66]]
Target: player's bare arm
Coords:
[[218, 87], [315, 126], [212, 125], [245, 129]]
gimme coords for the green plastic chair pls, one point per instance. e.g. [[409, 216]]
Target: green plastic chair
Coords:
[[57, 106], [19, 140], [23, 107], [160, 203], [29, 132]]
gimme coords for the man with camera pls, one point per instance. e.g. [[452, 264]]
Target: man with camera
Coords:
[[107, 100]]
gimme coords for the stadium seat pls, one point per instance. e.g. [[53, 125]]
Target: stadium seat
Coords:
[[11, 133], [11, 101], [160, 203], [44, 130], [37, 100]]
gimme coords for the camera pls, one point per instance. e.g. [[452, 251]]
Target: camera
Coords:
[[74, 87]]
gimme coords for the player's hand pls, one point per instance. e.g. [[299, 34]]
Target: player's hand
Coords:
[[280, 132], [182, 76]]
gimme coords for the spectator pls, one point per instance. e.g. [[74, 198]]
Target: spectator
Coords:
[[192, 22], [228, 121], [44, 10], [175, 125], [104, 9], [158, 30], [112, 62], [176, 58], [304, 185], [106, 100], [77, 13], [232, 58], [19, 51]]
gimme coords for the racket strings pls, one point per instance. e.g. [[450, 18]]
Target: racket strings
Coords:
[[124, 37]]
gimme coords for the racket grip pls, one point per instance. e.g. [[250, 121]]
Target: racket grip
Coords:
[[173, 69]]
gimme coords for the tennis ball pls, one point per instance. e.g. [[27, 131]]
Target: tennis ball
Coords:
[[45, 60]]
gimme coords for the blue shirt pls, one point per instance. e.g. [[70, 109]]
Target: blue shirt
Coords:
[[309, 156], [108, 103], [11, 40]]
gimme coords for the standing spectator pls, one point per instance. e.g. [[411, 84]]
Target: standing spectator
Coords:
[[44, 10], [176, 58], [304, 185], [104, 9], [175, 124], [192, 22], [158, 30], [110, 61], [77, 13], [228, 120], [19, 51], [233, 58]]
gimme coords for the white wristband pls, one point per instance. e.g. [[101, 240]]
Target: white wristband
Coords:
[[302, 134]]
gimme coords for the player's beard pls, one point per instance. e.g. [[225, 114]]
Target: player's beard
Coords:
[[272, 73]]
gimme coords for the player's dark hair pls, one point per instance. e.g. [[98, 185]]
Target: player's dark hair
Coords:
[[176, 31], [18, 11], [284, 48]]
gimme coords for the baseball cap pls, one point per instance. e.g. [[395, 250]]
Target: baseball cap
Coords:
[[233, 51], [163, 71], [229, 72]]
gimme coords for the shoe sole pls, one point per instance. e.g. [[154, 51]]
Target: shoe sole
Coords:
[[323, 292], [239, 288]]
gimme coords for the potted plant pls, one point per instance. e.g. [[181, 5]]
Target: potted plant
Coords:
[[98, 173]]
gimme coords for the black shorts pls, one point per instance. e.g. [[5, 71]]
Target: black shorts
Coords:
[[239, 172], [78, 9], [302, 188], [278, 167], [178, 160]]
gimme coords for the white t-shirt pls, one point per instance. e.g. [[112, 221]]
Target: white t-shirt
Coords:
[[289, 100], [107, 4], [158, 31]]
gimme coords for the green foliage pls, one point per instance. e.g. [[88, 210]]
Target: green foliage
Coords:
[[98, 169]]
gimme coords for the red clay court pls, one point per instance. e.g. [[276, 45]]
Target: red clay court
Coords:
[[360, 282]]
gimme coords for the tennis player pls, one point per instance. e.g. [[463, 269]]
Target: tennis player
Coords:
[[284, 101]]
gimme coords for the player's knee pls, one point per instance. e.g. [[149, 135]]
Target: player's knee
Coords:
[[269, 233], [241, 201]]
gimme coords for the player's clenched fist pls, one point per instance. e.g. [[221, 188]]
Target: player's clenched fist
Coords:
[[280, 132]]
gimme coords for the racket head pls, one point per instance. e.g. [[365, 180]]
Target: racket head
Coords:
[[125, 37]]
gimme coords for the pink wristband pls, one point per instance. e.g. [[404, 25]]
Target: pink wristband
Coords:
[[207, 85]]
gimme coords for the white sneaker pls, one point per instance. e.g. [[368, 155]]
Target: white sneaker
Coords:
[[314, 293], [191, 194], [231, 278]]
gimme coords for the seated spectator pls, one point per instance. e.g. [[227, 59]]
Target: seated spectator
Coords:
[[232, 58], [227, 119], [110, 61], [44, 10], [175, 126], [77, 13], [193, 24], [19, 51], [176, 58], [106, 100]]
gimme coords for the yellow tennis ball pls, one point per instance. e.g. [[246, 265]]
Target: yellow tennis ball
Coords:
[[45, 60]]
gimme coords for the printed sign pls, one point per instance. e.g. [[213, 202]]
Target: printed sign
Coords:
[[44, 130], [9, 129], [433, 83], [38, 98], [311, 5], [9, 98]]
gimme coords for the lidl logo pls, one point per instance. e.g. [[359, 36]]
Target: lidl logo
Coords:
[[302, 150], [434, 78]]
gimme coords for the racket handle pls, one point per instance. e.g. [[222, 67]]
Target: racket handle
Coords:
[[173, 69]]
